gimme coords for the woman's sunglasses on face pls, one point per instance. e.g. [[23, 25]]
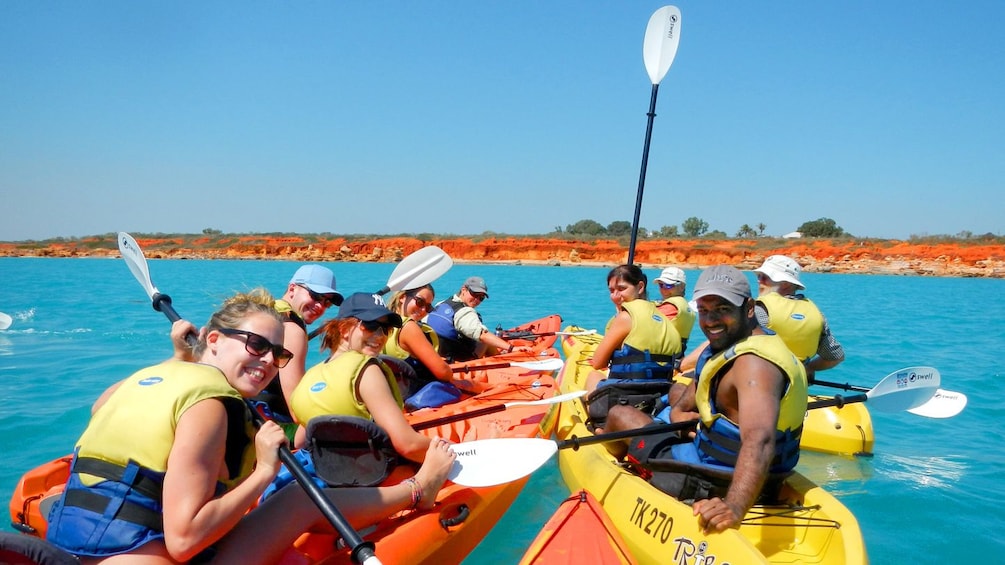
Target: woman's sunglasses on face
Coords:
[[326, 300], [421, 303], [375, 325], [259, 346]]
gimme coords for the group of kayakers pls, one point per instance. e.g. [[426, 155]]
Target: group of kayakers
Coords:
[[749, 391], [169, 467], [170, 449]]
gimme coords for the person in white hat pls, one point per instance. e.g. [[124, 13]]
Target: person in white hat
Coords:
[[781, 308], [462, 334], [672, 284]]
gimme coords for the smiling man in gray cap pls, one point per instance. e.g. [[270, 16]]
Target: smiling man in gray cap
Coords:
[[751, 399], [459, 326]]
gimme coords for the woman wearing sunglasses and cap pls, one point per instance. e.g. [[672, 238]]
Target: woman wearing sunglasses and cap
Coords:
[[416, 342], [168, 467], [353, 381]]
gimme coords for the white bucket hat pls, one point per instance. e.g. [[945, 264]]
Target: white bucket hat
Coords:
[[780, 268], [672, 275]]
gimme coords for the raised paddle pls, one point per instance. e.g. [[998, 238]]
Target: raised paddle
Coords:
[[552, 364], [944, 404], [495, 461], [5, 321], [362, 551], [658, 51], [497, 408], [416, 270]]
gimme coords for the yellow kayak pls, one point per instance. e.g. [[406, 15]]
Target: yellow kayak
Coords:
[[807, 525]]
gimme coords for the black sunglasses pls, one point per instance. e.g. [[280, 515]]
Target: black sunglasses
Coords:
[[326, 300], [478, 295], [422, 302], [374, 325], [259, 346]]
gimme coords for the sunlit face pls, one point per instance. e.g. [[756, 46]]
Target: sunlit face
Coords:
[[470, 298], [418, 303], [309, 304], [623, 291], [368, 337], [723, 323], [247, 373]]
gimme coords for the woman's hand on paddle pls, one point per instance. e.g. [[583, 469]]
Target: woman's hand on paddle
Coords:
[[716, 515], [268, 440], [180, 331]]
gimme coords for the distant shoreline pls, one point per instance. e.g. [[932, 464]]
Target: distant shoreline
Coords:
[[887, 257]]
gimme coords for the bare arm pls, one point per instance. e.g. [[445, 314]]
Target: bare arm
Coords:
[[193, 518], [412, 339], [757, 386], [376, 394], [614, 338], [295, 340]]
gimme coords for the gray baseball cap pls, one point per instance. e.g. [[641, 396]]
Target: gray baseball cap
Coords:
[[725, 281]]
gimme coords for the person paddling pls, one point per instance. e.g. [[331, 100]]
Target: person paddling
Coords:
[[168, 468]]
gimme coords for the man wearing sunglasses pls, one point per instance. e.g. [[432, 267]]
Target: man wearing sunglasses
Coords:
[[462, 334], [308, 295], [672, 283]]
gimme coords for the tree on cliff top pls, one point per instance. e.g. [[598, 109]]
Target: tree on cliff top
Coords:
[[824, 227], [694, 226], [586, 227]]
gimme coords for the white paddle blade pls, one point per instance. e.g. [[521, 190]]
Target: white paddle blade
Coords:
[[5, 321], [419, 269], [491, 462], [660, 45], [136, 262], [905, 389], [945, 404], [553, 364]]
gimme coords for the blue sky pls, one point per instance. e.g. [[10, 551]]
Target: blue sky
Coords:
[[512, 117]]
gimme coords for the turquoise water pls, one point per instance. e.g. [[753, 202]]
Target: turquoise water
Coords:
[[931, 493]]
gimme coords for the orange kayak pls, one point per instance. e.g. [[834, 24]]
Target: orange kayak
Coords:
[[579, 532], [449, 531], [538, 334]]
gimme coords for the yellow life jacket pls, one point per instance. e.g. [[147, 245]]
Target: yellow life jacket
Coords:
[[796, 320], [394, 349], [138, 421], [792, 409], [683, 322], [330, 388]]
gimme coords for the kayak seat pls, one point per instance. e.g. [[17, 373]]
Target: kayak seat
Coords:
[[18, 549], [350, 451]]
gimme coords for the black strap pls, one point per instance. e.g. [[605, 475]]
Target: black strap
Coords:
[[147, 486], [641, 357], [129, 512]]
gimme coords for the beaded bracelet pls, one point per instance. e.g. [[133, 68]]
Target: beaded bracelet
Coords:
[[413, 484]]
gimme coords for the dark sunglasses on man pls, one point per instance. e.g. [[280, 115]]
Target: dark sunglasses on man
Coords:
[[326, 300]]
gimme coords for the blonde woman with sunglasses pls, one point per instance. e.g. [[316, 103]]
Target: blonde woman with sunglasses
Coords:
[[168, 467]]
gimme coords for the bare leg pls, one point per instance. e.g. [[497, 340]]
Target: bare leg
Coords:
[[621, 417], [267, 532], [593, 379]]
